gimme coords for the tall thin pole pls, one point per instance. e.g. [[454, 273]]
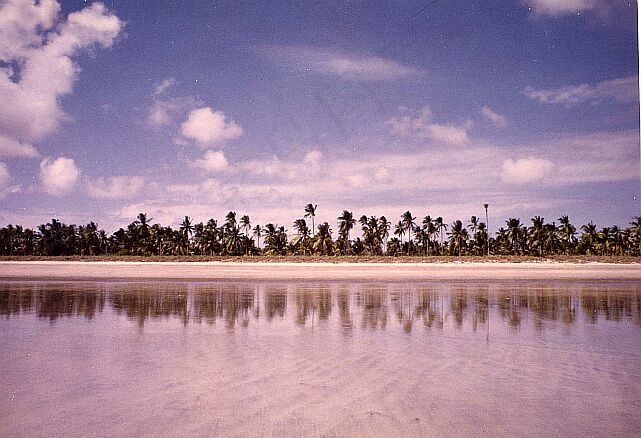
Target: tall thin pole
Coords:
[[487, 229]]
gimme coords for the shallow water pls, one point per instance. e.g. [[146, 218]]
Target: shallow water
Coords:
[[325, 358]]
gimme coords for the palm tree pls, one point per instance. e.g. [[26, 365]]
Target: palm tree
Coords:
[[567, 231], [399, 230], [636, 233], [440, 226], [458, 236], [346, 223], [230, 219], [245, 225], [408, 225], [323, 243], [257, 231], [589, 237], [372, 234], [430, 230], [186, 230], [233, 240], [310, 211], [473, 225], [383, 229], [303, 234], [515, 233]]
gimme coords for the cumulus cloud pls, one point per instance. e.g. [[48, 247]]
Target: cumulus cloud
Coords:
[[496, 119], [14, 148], [561, 7], [58, 176], [6, 186], [525, 170], [38, 47], [115, 187], [207, 127], [331, 63], [420, 125], [621, 89], [212, 161]]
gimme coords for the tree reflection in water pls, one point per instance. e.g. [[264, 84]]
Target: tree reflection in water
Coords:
[[429, 306]]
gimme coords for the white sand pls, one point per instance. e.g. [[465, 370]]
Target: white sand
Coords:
[[315, 271]]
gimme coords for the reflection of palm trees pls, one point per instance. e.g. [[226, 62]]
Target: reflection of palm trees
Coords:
[[275, 302], [374, 305]]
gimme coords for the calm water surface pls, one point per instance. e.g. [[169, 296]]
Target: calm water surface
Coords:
[[311, 359]]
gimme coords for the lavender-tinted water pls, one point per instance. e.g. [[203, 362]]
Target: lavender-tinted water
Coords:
[[320, 359]]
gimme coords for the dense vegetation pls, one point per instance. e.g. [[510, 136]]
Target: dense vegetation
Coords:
[[236, 237]]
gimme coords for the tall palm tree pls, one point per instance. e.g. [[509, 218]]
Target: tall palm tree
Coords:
[[430, 230], [186, 230], [440, 226], [567, 231], [408, 225], [230, 219], [589, 237], [303, 235], [323, 243], [245, 225], [458, 237], [310, 211], [383, 229], [345, 225], [257, 231], [473, 225], [636, 233], [515, 233], [399, 230]]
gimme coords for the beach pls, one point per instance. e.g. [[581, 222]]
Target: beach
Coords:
[[207, 271]]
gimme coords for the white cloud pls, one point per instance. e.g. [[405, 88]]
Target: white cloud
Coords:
[[115, 187], [496, 119], [421, 126], [208, 127], [165, 112], [163, 86], [525, 170], [20, 24], [277, 169], [331, 63], [370, 68], [58, 176], [524, 177], [40, 46], [622, 90], [5, 182], [212, 161], [158, 115], [14, 148], [562, 7]]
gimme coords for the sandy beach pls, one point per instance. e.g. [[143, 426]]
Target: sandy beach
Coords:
[[66, 270]]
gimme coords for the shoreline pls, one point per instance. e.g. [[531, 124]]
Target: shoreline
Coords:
[[285, 271]]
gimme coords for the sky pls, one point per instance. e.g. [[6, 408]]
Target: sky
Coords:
[[198, 108]]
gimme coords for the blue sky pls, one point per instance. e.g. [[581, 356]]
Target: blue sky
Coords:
[[198, 108]]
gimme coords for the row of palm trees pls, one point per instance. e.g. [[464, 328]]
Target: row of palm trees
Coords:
[[409, 236]]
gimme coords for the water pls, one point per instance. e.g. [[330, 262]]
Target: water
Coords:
[[312, 359]]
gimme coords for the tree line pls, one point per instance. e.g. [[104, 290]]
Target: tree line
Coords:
[[408, 236]]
